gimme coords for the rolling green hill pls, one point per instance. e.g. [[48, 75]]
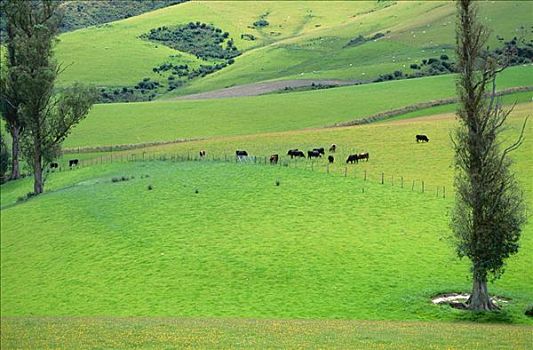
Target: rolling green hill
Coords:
[[134, 123], [326, 249], [139, 248], [298, 33]]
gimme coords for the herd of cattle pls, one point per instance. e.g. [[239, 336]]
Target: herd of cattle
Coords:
[[316, 153], [293, 153]]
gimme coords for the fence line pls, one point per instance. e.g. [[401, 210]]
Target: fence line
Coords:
[[417, 185]]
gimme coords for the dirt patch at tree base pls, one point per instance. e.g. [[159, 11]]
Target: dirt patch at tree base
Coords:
[[459, 300]]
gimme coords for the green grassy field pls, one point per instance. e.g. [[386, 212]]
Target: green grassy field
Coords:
[[314, 247], [131, 123], [225, 254], [156, 333], [391, 145], [227, 251], [113, 55]]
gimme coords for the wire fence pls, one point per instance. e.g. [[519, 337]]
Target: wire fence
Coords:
[[347, 170]]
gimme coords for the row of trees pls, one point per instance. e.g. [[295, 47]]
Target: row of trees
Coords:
[[38, 116]]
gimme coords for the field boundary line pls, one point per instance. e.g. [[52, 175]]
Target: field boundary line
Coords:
[[127, 147], [417, 106], [381, 116]]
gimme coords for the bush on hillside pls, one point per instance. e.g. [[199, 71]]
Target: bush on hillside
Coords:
[[200, 39], [261, 23]]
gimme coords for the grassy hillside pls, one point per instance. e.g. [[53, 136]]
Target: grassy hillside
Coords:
[[298, 33], [78, 14], [325, 250], [390, 144], [163, 121]]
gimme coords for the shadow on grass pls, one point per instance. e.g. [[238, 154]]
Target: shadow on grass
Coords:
[[500, 316]]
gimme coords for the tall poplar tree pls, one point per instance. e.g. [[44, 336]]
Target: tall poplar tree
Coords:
[[489, 211]]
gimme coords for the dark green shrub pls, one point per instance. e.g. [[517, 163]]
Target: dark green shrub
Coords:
[[4, 159]]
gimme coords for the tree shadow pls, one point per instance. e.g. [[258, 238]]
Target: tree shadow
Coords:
[[500, 316]]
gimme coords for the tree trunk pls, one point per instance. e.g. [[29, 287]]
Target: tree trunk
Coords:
[[479, 299], [38, 183], [15, 148]]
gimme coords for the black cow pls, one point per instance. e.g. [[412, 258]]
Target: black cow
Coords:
[[422, 138], [313, 154], [202, 153], [274, 159], [354, 158], [296, 153], [73, 162], [333, 148], [241, 153], [320, 150], [54, 165], [331, 159]]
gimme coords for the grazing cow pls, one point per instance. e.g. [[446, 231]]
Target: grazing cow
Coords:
[[333, 148], [54, 165], [274, 159], [202, 153], [241, 153], [292, 152], [363, 156], [354, 158], [320, 150], [331, 159], [422, 138], [313, 154], [298, 154], [73, 162]]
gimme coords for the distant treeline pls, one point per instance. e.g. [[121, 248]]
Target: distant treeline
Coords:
[[84, 13]]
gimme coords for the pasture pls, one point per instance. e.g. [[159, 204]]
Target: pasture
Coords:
[[133, 123], [392, 147], [159, 332], [113, 55], [312, 247], [316, 248], [150, 246]]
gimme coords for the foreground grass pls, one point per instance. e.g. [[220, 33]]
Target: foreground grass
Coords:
[[132, 123], [157, 333], [316, 246]]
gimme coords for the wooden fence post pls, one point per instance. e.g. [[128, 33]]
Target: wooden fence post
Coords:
[[345, 171], [382, 175], [401, 181], [444, 192], [422, 186], [413, 187]]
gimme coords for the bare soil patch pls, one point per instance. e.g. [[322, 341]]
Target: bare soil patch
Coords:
[[458, 300], [262, 88]]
